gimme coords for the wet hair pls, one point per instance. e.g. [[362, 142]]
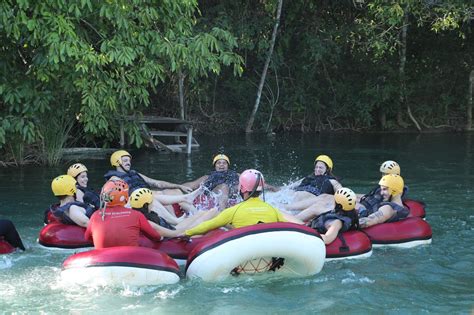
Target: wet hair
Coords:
[[143, 209], [352, 214]]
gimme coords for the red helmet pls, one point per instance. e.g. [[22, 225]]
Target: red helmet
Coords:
[[251, 180], [115, 193]]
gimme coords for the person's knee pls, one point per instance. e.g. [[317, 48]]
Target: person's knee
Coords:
[[222, 188]]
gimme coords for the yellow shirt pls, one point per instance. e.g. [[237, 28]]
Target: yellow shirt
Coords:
[[249, 212]]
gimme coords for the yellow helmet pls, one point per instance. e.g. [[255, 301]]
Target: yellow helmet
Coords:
[[220, 157], [141, 196], [76, 169], [326, 159], [390, 167], [346, 198], [64, 185], [115, 158], [394, 183]]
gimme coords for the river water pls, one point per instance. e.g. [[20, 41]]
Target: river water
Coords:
[[436, 278]]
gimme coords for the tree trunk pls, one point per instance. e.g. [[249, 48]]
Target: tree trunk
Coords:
[[251, 120], [403, 59], [469, 101], [181, 94]]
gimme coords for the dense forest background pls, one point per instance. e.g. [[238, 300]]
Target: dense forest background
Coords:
[[71, 70]]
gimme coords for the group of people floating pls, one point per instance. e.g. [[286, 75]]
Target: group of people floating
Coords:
[[131, 203]]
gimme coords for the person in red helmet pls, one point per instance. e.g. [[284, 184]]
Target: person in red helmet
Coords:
[[115, 225], [251, 211]]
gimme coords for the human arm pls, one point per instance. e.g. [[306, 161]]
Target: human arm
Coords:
[[78, 215], [196, 183], [88, 232], [161, 184], [335, 184], [79, 195], [380, 216], [225, 217], [146, 228], [331, 233]]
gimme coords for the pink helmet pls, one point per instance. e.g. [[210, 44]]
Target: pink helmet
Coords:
[[248, 181]]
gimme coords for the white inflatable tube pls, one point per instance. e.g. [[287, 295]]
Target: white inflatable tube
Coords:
[[303, 254]]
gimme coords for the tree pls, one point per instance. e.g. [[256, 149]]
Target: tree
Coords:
[[95, 61]]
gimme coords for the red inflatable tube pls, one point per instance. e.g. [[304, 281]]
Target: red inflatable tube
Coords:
[[405, 233], [63, 236], [357, 245], [5, 247], [177, 248], [131, 265], [122, 256], [417, 208]]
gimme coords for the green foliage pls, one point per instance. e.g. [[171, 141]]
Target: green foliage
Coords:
[[97, 61], [335, 65]]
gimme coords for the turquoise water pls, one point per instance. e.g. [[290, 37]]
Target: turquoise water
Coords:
[[436, 278]]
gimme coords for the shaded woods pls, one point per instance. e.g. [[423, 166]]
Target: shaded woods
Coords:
[[71, 69]]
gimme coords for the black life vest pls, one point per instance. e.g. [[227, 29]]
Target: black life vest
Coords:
[[60, 211], [374, 200], [91, 197], [371, 202], [349, 220], [317, 184], [132, 178], [401, 212], [229, 177]]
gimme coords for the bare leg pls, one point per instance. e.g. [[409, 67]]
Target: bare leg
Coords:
[[197, 219], [164, 231], [324, 203], [223, 191], [303, 200], [157, 207], [170, 199], [291, 218]]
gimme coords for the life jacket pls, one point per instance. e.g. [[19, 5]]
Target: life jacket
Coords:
[[371, 202], [401, 212], [374, 200], [91, 197], [229, 177], [155, 218], [317, 184], [132, 178], [60, 211], [348, 223]]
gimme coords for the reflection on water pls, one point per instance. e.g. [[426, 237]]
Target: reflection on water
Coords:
[[436, 278]]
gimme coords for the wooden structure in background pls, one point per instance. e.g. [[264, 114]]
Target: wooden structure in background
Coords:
[[155, 129]]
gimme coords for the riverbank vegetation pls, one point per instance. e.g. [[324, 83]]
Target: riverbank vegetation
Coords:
[[72, 69]]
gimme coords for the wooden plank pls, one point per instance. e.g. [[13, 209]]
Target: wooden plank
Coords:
[[157, 120], [167, 133], [182, 146]]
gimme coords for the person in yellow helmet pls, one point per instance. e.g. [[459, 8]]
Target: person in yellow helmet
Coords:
[[251, 211], [342, 218], [314, 189], [390, 208], [122, 161], [142, 201], [84, 193], [69, 210], [222, 181], [367, 201]]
